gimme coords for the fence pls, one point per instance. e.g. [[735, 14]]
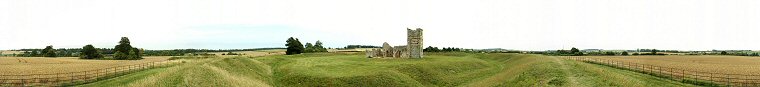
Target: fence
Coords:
[[81, 77], [682, 75]]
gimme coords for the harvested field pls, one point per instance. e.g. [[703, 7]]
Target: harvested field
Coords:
[[42, 65], [718, 64], [702, 70]]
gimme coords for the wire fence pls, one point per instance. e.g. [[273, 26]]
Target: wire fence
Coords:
[[678, 74], [80, 77]]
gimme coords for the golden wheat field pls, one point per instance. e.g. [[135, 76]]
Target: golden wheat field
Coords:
[[43, 65], [716, 64]]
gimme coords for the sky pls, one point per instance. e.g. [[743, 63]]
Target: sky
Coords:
[[479, 24]]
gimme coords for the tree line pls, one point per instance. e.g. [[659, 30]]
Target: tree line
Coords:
[[360, 46], [122, 51], [572, 52], [180, 52], [445, 49], [294, 46]]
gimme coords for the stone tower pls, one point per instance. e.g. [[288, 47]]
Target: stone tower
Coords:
[[414, 42]]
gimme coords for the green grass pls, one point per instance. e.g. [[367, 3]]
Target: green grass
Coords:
[[354, 70]]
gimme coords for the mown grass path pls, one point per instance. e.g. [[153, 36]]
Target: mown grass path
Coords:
[[587, 75]]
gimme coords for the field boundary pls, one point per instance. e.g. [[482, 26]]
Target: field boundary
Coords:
[[79, 77], [685, 76]]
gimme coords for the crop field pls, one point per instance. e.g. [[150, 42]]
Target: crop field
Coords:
[[705, 70], [718, 64], [43, 65]]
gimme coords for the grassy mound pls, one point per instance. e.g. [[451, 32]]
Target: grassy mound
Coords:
[[354, 70]]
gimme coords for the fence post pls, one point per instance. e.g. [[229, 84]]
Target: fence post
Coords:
[[672, 74], [71, 79], [97, 76], [23, 80], [85, 76], [728, 76], [711, 77], [57, 78], [660, 70], [642, 68], [683, 75]]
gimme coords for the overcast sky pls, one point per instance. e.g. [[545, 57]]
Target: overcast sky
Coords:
[[509, 24]]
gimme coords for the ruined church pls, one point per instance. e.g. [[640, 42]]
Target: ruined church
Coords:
[[412, 49]]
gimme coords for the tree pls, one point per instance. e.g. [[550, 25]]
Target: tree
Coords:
[[654, 51], [319, 47], [90, 52], [294, 46], [609, 53], [34, 53], [124, 47], [574, 51], [132, 55], [624, 53], [723, 53], [309, 48], [136, 54], [128, 52], [49, 51], [119, 55], [428, 49]]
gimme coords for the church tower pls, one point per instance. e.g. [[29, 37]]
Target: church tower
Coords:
[[414, 42]]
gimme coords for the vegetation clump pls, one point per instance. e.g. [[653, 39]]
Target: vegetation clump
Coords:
[[572, 52], [125, 51], [90, 52], [49, 51], [315, 48], [294, 46]]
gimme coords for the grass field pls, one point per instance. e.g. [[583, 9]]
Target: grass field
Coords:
[[716, 64], [354, 70], [43, 65]]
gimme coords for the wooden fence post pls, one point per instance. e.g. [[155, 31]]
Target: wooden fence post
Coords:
[[23, 80], [728, 76], [683, 74], [57, 78], [71, 80], [672, 74], [711, 77], [85, 76]]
